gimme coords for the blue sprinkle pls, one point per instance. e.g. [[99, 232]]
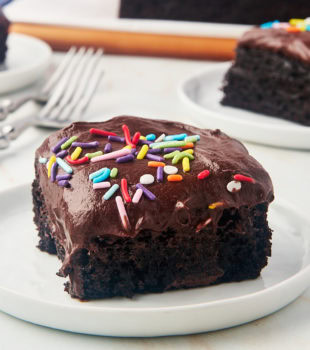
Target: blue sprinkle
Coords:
[[42, 160], [103, 176], [179, 137], [151, 137], [66, 167], [96, 173], [268, 25], [110, 192]]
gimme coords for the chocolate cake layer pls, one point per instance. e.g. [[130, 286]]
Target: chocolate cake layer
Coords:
[[221, 11], [4, 26], [271, 74], [175, 241]]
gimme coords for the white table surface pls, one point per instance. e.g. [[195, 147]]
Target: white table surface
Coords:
[[147, 87]]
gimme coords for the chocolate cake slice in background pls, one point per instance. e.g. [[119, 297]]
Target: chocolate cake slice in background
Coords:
[[220, 11], [209, 228], [4, 26], [271, 74]]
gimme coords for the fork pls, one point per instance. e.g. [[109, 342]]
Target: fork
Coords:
[[69, 97]]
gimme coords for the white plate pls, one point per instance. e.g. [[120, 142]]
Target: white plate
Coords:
[[27, 59], [202, 92], [30, 290]]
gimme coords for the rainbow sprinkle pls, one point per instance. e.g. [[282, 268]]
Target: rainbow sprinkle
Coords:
[[68, 142], [122, 213], [143, 152], [114, 173], [110, 192], [75, 155], [295, 25], [66, 167]]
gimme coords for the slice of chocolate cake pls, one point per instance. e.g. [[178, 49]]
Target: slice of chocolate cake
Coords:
[[4, 26], [271, 72], [178, 207], [220, 11]]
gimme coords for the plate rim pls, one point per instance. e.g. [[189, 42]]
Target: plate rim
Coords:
[[85, 308], [223, 67], [27, 38]]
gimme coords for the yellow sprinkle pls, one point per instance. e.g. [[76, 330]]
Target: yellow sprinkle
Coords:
[[215, 205], [190, 151], [75, 155], [142, 137], [295, 21], [50, 163], [185, 164], [127, 147], [143, 152]]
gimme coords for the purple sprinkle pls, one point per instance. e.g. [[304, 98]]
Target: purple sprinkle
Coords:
[[151, 196], [160, 174], [145, 142], [128, 158], [62, 154], [116, 139], [136, 153], [64, 183], [172, 149], [85, 144], [54, 172], [63, 177], [108, 148], [56, 148], [133, 151], [154, 157], [155, 150]]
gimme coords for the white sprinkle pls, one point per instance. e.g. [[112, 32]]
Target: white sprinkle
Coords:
[[170, 170], [179, 205], [160, 138], [100, 185], [234, 186], [42, 160], [147, 179]]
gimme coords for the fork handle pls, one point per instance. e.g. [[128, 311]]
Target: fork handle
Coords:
[[8, 106], [11, 131]]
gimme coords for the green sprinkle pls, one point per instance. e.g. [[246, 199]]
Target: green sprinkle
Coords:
[[171, 155], [168, 144], [95, 154], [114, 173], [68, 142], [193, 138], [180, 156]]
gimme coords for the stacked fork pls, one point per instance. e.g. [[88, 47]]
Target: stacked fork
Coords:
[[65, 96]]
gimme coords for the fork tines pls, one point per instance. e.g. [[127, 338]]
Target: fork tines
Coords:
[[72, 86]]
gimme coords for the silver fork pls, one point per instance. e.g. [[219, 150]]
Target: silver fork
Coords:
[[8, 105], [69, 98]]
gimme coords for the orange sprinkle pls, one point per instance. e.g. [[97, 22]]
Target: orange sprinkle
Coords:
[[175, 178], [215, 205], [293, 29], [188, 145], [155, 164]]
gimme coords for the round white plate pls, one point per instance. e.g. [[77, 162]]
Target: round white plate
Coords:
[[27, 59], [30, 290], [202, 92]]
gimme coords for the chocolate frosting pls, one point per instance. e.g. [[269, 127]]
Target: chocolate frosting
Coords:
[[296, 45], [78, 214]]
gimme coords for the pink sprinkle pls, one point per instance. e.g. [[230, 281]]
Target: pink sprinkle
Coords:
[[99, 185], [137, 196], [113, 155], [122, 212]]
